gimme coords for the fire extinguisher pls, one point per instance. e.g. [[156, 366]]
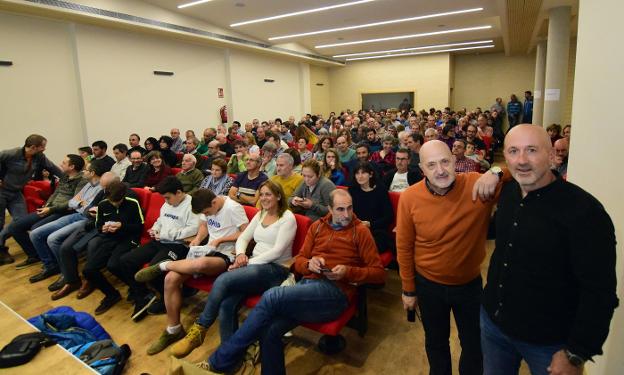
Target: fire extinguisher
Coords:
[[223, 113]]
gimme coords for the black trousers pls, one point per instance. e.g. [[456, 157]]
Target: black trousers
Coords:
[[436, 301], [104, 251], [152, 252]]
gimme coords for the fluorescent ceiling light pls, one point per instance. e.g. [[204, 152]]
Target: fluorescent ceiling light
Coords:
[[414, 48], [379, 23], [279, 16], [418, 53], [192, 3], [404, 36]]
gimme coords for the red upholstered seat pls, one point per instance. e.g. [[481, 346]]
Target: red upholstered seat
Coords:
[[179, 156], [250, 212], [175, 171], [151, 215], [334, 327], [144, 198], [342, 187], [32, 195]]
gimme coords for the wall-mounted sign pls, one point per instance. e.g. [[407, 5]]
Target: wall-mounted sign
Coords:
[[220, 92]]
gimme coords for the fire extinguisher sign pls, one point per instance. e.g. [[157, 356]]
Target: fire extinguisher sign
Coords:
[[220, 92]]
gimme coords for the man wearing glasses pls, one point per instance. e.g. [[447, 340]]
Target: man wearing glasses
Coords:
[[401, 177], [244, 190]]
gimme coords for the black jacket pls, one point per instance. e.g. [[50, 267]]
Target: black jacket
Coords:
[[128, 213], [136, 178]]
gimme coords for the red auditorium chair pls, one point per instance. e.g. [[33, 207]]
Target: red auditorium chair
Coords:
[[179, 156], [151, 215], [144, 198], [36, 193], [175, 171]]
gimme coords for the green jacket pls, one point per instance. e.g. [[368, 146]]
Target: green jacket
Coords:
[[235, 165], [190, 180], [67, 188]]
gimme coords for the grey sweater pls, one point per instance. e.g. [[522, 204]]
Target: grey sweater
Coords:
[[320, 197], [15, 171]]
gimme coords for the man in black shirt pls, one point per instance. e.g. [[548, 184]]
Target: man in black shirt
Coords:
[[551, 287], [99, 155], [136, 174]]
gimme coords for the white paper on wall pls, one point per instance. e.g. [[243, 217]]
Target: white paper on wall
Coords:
[[552, 95]]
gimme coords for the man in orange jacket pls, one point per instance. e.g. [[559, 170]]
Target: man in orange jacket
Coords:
[[339, 251]]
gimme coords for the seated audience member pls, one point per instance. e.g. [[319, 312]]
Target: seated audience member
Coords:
[[279, 144], [311, 198], [268, 152], [332, 168], [285, 177], [175, 224], [371, 204], [402, 136], [135, 144], [48, 238], [217, 181], [119, 225], [177, 144], [151, 144], [236, 164], [234, 132], [448, 135], [158, 170], [224, 147], [476, 156], [402, 177], [99, 156], [362, 154], [86, 153], [273, 229], [245, 187], [296, 159], [462, 163], [338, 242], [319, 149], [554, 131], [122, 162], [284, 132], [414, 142], [189, 134], [483, 129], [260, 135], [302, 148], [168, 156], [207, 137], [190, 146], [560, 162], [374, 144], [55, 207], [136, 174], [431, 134], [385, 157], [76, 243], [471, 136], [345, 153], [221, 220], [567, 131], [190, 177]]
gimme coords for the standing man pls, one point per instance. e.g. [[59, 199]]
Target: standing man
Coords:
[[527, 116], [17, 167], [440, 240], [551, 287], [178, 143], [514, 111]]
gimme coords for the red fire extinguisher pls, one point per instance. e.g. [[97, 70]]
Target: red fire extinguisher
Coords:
[[223, 113]]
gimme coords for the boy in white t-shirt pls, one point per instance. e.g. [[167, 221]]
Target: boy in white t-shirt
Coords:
[[222, 220]]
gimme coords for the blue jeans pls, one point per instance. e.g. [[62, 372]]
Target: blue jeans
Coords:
[[19, 230], [280, 310], [47, 239], [502, 354], [232, 287], [14, 202]]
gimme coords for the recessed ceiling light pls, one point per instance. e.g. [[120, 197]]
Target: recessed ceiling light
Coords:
[[279, 16], [415, 48], [405, 36], [381, 23], [192, 3], [418, 53]]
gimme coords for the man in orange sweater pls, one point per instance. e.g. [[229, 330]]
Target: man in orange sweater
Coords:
[[339, 251], [441, 235]]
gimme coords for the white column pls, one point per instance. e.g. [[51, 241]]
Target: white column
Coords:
[[595, 156], [538, 88], [557, 56]]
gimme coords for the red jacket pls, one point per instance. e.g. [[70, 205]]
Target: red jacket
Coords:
[[352, 246]]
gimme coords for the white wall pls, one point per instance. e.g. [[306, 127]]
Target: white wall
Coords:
[[39, 93]]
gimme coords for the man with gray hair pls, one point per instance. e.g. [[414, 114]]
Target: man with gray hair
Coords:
[[178, 143], [268, 159], [190, 177], [285, 177]]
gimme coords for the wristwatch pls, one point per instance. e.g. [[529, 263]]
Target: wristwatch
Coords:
[[238, 194], [575, 360], [497, 171], [409, 294]]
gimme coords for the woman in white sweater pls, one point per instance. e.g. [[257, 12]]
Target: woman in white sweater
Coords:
[[273, 229]]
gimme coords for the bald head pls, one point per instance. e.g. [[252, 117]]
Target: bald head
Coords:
[[107, 178], [432, 148], [537, 134]]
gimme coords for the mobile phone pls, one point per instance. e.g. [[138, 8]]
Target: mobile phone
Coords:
[[325, 270]]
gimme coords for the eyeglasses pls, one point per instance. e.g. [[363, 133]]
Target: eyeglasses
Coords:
[[402, 159]]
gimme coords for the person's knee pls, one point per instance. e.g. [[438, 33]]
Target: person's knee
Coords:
[[173, 280]]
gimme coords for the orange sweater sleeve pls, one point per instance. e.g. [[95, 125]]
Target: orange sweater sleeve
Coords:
[[372, 270], [405, 239]]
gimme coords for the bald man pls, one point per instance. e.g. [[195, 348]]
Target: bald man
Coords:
[[551, 287], [560, 160], [441, 235]]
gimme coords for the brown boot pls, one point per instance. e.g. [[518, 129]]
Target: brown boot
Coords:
[[65, 290], [85, 289]]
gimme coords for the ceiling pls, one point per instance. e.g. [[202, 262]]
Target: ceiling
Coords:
[[514, 25]]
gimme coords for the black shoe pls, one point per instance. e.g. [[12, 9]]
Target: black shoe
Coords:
[[141, 305], [5, 257], [57, 285], [44, 274], [157, 308], [107, 303], [27, 263]]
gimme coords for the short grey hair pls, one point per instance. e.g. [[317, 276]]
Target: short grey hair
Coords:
[[190, 156], [287, 157]]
